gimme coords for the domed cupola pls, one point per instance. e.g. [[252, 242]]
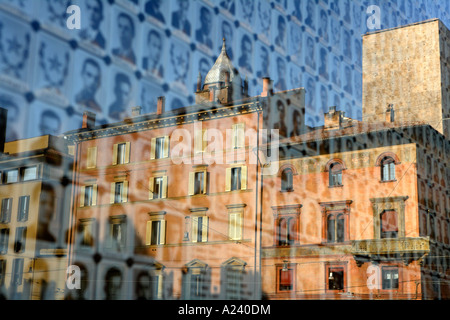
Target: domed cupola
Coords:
[[222, 69]]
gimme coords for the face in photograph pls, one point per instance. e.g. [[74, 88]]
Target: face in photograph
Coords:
[[50, 123], [180, 16], [143, 288], [152, 60], [228, 5], [336, 73], [280, 38], [153, 8], [348, 79], [245, 59], [123, 90], [56, 12], [324, 99], [203, 33], [54, 62], [125, 30], [310, 19], [295, 42], [90, 76], [310, 57], [92, 32], [14, 128], [149, 96], [323, 25], [14, 48], [113, 284], [310, 95], [280, 84], [323, 63], [295, 77], [264, 17], [180, 59], [335, 32], [297, 11], [247, 10], [263, 62], [358, 85], [227, 34], [347, 11]]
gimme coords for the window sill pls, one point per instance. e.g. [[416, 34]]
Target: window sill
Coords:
[[287, 190], [337, 186], [386, 181]]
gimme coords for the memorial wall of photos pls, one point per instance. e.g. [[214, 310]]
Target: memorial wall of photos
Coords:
[[129, 52]]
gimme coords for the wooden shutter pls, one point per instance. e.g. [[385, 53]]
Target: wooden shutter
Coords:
[[114, 158], [82, 195], [240, 135], [91, 157], [113, 192], [205, 181], [151, 185], [148, 233], [194, 229], [191, 183], [125, 191], [244, 178], [164, 187], [153, 148], [162, 232], [94, 194], [228, 179], [204, 228], [235, 227], [166, 147], [127, 152]]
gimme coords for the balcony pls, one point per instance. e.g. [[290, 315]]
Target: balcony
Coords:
[[406, 249]]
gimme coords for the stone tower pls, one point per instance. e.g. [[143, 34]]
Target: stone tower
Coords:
[[408, 68]]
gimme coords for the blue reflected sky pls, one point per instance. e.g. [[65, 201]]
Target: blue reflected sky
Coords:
[[129, 52]]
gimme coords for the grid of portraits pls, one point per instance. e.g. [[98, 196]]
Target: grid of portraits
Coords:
[[129, 52]]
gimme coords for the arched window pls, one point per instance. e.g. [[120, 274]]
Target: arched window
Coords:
[[336, 228], [335, 174], [387, 169], [287, 180]]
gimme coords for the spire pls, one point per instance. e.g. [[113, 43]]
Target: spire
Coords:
[[221, 67]]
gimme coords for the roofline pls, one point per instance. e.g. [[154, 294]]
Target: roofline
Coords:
[[404, 26]]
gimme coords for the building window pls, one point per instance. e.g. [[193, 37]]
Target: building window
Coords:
[[29, 174], [389, 224], [335, 174], [235, 225], [17, 272], [158, 187], [199, 229], [336, 228], [387, 169], [2, 272], [21, 236], [236, 178], [91, 161], [121, 153], [286, 277], [335, 278], [156, 232], [287, 180], [24, 206], [117, 233], [197, 182], [12, 176], [233, 281], [119, 192], [4, 240], [86, 232], [200, 140], [389, 278], [88, 196], [5, 214], [287, 231], [159, 147], [195, 282], [238, 135]]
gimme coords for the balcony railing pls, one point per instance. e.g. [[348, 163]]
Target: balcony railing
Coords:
[[406, 249]]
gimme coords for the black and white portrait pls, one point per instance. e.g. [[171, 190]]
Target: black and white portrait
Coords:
[[310, 98], [45, 119], [92, 32], [246, 53], [228, 34], [295, 76], [346, 9], [122, 88], [54, 13], [281, 73], [280, 32], [153, 53], [247, 11], [323, 99], [113, 283], [125, 31], [323, 62], [202, 65], [297, 10], [204, 31], [323, 26], [143, 289], [181, 17], [310, 18], [310, 52], [264, 19], [228, 5], [180, 57], [155, 9], [89, 82], [335, 31], [280, 124], [262, 61], [336, 70], [15, 41], [358, 52], [295, 42], [348, 86], [148, 96], [15, 105]]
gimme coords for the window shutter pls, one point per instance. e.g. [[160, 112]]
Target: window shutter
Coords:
[[114, 159], [191, 183], [194, 229], [164, 187], [113, 191], [240, 135], [94, 194], [244, 178], [148, 233], [125, 191], [205, 180], [228, 179], [204, 228], [151, 184], [235, 227], [92, 157], [127, 152], [166, 147], [82, 195], [204, 139], [153, 148], [162, 235]]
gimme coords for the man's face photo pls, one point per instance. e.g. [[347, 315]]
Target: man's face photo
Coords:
[[14, 47], [246, 47], [50, 123], [205, 17], [95, 13], [264, 15], [91, 76], [227, 31], [125, 30], [154, 46], [123, 91], [53, 62]]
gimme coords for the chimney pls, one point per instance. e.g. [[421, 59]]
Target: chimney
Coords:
[[3, 123], [160, 106], [136, 111], [333, 118], [267, 87], [390, 114], [88, 120]]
